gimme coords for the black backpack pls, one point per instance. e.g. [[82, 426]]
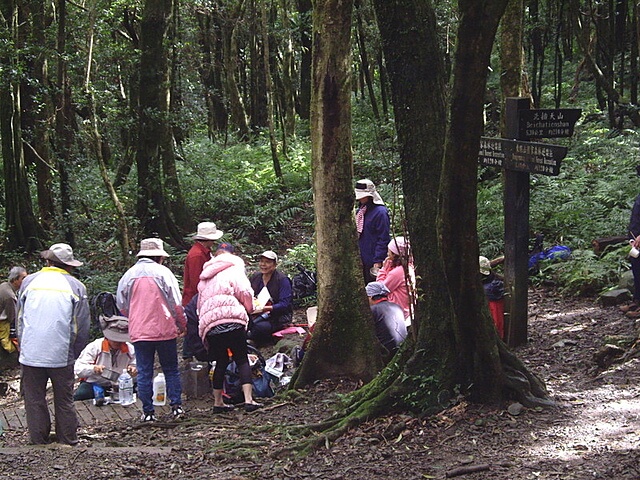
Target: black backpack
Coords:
[[104, 305]]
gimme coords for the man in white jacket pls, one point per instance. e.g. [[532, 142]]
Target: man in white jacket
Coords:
[[102, 361], [53, 327]]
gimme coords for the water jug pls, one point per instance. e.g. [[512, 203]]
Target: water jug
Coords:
[[125, 387], [159, 390]]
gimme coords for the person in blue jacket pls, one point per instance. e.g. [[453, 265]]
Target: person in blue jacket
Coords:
[[277, 314], [633, 309], [373, 225]]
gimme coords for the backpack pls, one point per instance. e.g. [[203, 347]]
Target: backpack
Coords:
[[104, 305], [261, 380], [303, 284]]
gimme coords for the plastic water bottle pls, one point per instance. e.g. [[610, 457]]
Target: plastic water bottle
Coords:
[[159, 390], [125, 386]]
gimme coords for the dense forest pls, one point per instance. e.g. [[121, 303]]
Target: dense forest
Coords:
[[122, 120]]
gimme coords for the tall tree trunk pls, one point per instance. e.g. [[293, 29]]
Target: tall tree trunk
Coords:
[[364, 59], [304, 97], [154, 144], [287, 71], [22, 229], [343, 335], [96, 140], [269, 90], [210, 72], [230, 53], [37, 112], [64, 130]]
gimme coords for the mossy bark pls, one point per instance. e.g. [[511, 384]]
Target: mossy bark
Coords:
[[343, 339], [457, 347]]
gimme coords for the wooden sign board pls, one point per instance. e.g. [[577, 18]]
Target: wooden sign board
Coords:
[[521, 156], [547, 123]]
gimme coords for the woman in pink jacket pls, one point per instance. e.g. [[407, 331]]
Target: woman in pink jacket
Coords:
[[225, 298], [392, 274]]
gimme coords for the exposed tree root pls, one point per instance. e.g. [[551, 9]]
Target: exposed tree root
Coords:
[[527, 387]]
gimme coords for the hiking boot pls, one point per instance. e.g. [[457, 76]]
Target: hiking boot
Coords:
[[177, 411], [148, 417], [629, 307]]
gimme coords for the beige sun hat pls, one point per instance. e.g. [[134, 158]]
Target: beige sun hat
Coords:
[[152, 247], [271, 255], [207, 231], [61, 253], [366, 188], [115, 328], [485, 265]]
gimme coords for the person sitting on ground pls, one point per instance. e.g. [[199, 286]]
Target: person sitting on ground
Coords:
[[494, 291], [277, 313], [393, 274], [224, 301], [103, 360], [388, 317]]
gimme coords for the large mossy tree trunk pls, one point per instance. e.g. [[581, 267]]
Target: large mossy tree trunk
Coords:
[[343, 335], [457, 345], [154, 146]]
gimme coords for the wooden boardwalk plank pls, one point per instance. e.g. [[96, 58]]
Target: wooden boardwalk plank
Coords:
[[88, 414]]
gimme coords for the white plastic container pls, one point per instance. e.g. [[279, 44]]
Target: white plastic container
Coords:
[[125, 388], [159, 390]]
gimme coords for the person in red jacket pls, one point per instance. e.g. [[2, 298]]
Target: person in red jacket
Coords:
[[199, 254]]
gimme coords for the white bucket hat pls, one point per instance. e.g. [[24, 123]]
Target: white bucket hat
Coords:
[[366, 188], [152, 247], [485, 265], [62, 253], [207, 231]]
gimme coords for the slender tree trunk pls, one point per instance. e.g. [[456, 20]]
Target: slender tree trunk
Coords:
[[37, 113], [22, 229], [364, 59], [230, 53], [287, 71], [304, 97], [269, 90], [64, 130], [343, 336], [96, 140]]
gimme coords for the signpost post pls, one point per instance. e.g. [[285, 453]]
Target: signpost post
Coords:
[[519, 158]]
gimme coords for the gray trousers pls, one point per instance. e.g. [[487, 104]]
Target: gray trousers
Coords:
[[34, 386]]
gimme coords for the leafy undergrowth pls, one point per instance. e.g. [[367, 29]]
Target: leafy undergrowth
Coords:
[[594, 432]]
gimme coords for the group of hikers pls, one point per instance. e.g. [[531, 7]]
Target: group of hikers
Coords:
[[52, 317]]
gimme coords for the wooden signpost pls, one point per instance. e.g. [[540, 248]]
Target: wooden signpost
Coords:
[[519, 158]]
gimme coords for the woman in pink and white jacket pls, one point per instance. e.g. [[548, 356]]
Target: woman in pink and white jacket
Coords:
[[224, 302], [394, 276]]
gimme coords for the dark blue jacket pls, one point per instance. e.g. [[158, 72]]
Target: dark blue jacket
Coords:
[[374, 238], [279, 287]]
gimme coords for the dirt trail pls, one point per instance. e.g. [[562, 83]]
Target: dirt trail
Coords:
[[594, 432]]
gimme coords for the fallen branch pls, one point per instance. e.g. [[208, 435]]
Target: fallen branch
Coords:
[[468, 469]]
